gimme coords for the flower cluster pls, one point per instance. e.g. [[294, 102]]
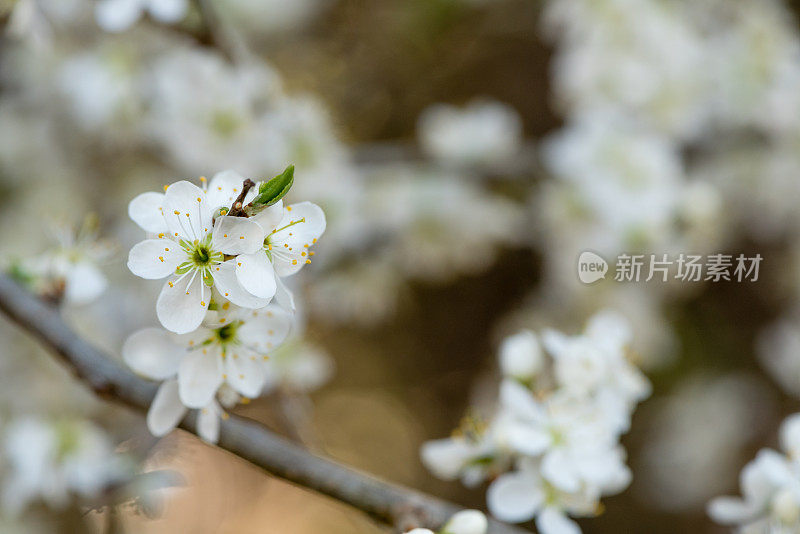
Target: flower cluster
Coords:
[[51, 461], [68, 272], [224, 249], [564, 403], [770, 485]]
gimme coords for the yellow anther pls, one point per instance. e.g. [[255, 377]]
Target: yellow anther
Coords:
[[202, 302], [303, 254], [239, 263], [245, 400], [161, 235], [165, 187], [241, 237], [294, 262], [198, 199], [166, 249], [308, 261], [202, 178], [161, 258], [171, 284], [176, 212], [288, 208], [226, 305], [224, 235], [311, 253]]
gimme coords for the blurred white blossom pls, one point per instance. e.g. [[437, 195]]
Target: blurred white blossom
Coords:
[[559, 432], [770, 487], [484, 132], [55, 460], [119, 15]]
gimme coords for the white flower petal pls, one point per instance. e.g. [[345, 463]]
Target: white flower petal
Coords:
[[559, 470], [266, 328], [554, 521], [228, 285], [467, 522], [245, 372], [731, 510], [180, 306], [117, 15], [521, 356], [186, 211], [166, 411], [146, 211], [208, 422], [514, 497], [269, 218], [225, 187], [446, 457], [85, 282], [291, 244], [155, 258], [790, 435], [153, 353], [283, 296], [520, 401], [237, 235], [256, 275], [167, 11], [199, 376], [527, 438]]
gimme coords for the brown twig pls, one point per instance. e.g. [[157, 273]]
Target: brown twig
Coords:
[[237, 208], [391, 504]]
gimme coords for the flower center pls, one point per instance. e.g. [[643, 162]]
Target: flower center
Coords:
[[201, 255], [227, 334]]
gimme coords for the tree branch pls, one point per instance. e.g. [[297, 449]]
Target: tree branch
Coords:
[[392, 504]]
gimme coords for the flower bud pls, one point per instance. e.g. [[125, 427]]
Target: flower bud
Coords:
[[467, 522], [521, 356]]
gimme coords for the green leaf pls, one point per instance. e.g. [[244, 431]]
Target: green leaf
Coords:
[[271, 192]]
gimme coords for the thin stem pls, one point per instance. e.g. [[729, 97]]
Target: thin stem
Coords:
[[394, 505], [238, 204]]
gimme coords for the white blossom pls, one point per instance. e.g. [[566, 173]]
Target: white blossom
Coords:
[[70, 271], [51, 461], [232, 348], [521, 356], [770, 485], [190, 246], [483, 132], [119, 15], [558, 429]]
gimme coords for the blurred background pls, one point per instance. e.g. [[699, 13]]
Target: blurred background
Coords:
[[465, 153]]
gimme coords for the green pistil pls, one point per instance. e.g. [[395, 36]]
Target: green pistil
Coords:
[[225, 335], [202, 257]]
